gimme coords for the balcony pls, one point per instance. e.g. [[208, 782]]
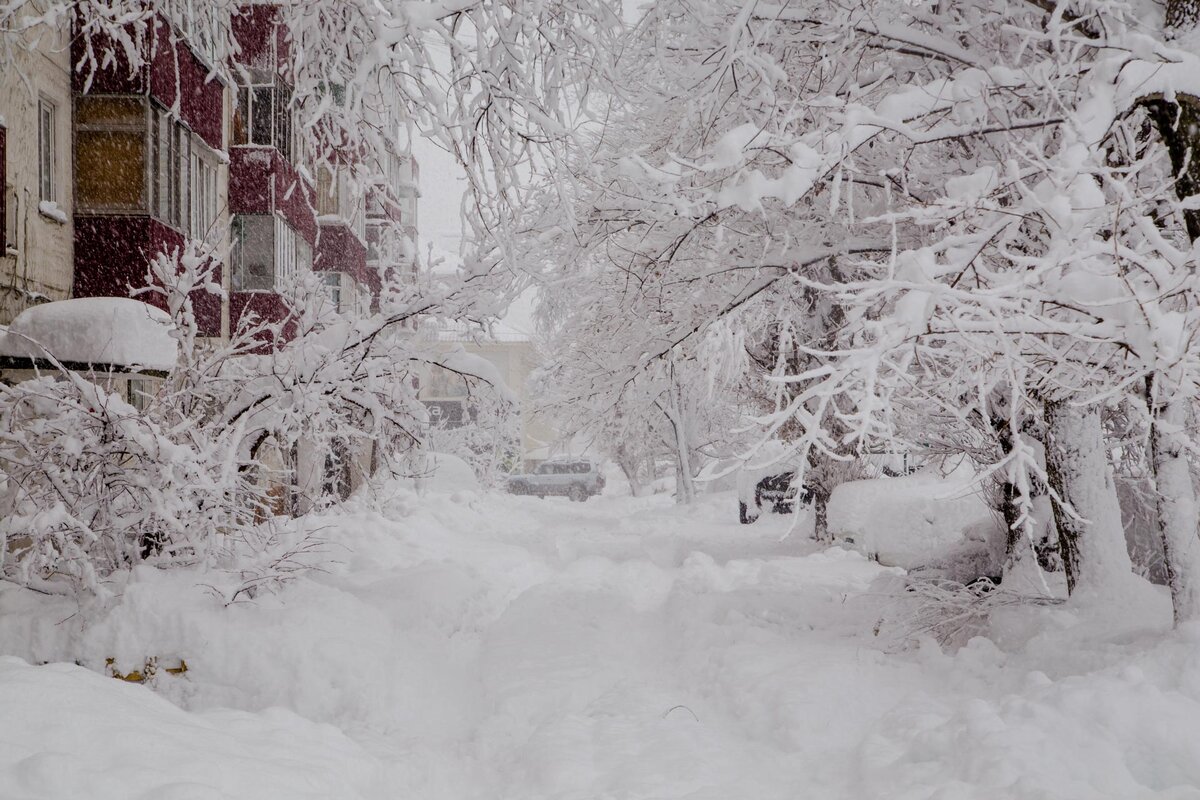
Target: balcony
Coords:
[[262, 181]]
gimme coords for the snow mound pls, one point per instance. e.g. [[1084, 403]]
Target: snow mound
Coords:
[[99, 331], [71, 733], [921, 520], [446, 473]]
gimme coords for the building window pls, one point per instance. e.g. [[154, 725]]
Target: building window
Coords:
[[253, 253], [374, 234], [266, 253], [264, 117], [333, 285], [292, 253], [171, 156], [47, 150], [110, 153], [12, 216], [327, 192], [5, 237], [203, 176], [139, 392]]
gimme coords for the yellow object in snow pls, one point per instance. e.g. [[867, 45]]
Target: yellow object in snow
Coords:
[[148, 671]]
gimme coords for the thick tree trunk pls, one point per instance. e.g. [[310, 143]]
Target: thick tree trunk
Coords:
[[1091, 539], [1009, 498], [1175, 499], [1178, 124], [1182, 15], [1178, 119]]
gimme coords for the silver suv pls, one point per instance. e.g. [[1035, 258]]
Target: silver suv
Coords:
[[575, 478]]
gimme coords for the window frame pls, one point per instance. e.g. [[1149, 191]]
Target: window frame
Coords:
[[3, 191], [204, 207], [281, 123], [138, 392], [144, 128], [238, 282], [332, 281], [290, 253], [47, 150]]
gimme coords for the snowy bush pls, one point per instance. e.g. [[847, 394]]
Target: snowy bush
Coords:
[[489, 440], [93, 485], [948, 611]]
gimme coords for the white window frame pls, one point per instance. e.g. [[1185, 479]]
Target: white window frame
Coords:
[[171, 147], [138, 392], [333, 285], [47, 150], [203, 204]]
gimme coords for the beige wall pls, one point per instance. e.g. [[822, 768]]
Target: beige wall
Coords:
[[42, 264], [515, 360]]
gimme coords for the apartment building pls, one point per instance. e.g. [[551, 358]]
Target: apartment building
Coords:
[[103, 169], [36, 173], [150, 168]]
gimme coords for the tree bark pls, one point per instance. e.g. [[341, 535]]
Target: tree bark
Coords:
[[685, 487], [1009, 495], [1178, 124], [1091, 539], [1182, 15], [1175, 502], [820, 503]]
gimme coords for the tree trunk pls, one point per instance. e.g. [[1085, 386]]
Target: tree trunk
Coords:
[[685, 487], [1182, 15], [1178, 122], [1009, 495], [1178, 119], [1091, 538], [1175, 502], [820, 504], [630, 467]]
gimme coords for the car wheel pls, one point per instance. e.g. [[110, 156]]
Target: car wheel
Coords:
[[578, 494], [744, 515]]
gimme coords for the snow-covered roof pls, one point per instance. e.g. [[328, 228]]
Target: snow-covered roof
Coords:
[[108, 331]]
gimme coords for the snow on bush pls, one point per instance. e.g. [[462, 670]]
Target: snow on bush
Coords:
[[92, 485]]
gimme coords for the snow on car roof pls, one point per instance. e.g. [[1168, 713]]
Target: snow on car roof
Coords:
[[110, 331]]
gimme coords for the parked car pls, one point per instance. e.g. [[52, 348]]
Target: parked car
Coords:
[[768, 481], [777, 493], [577, 479], [765, 482]]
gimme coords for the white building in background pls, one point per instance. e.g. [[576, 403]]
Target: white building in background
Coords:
[[509, 348]]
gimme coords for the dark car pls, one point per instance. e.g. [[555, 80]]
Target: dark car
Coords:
[[777, 493]]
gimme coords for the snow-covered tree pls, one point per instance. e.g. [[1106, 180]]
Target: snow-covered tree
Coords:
[[990, 215]]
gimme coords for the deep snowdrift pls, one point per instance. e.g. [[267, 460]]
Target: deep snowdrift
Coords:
[[484, 646]]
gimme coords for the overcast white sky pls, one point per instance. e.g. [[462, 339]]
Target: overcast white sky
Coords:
[[442, 187]]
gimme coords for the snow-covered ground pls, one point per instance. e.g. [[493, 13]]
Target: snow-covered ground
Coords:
[[469, 646]]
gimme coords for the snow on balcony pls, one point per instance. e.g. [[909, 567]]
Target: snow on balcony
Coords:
[[97, 331]]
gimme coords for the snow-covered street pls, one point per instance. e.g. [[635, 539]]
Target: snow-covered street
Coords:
[[486, 646]]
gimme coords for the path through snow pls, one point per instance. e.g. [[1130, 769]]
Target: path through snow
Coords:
[[492, 647]]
